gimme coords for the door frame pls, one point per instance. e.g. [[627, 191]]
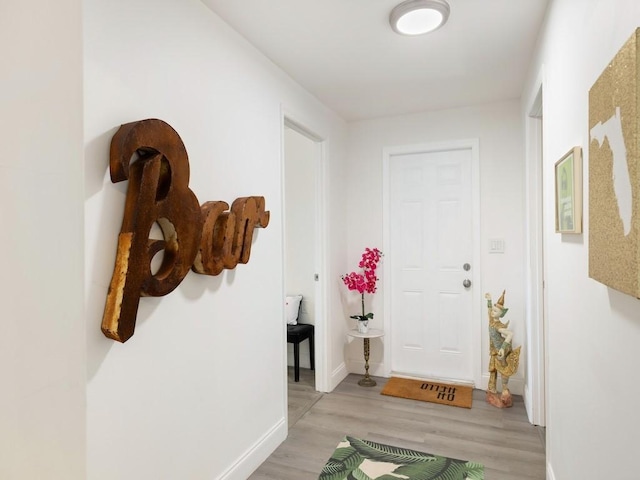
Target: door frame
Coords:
[[535, 388], [476, 334], [321, 327]]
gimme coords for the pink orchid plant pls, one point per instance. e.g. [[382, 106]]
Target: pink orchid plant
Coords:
[[364, 282]]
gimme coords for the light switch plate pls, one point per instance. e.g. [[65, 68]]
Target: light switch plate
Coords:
[[496, 245]]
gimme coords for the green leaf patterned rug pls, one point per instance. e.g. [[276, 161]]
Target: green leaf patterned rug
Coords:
[[356, 459]]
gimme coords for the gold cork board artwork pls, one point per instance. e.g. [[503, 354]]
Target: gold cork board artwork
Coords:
[[614, 250]]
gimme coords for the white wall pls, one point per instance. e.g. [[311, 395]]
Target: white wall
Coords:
[[594, 331], [199, 390], [42, 423], [301, 155], [498, 128]]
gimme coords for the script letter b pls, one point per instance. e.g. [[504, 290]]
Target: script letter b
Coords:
[[151, 155]]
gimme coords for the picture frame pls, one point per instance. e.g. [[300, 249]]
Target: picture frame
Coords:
[[568, 186]]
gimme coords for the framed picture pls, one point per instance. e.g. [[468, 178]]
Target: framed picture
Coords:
[[569, 192]]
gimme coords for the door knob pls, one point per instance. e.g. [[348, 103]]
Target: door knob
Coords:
[[466, 283]]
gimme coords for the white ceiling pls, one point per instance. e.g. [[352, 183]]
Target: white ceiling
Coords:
[[345, 53]]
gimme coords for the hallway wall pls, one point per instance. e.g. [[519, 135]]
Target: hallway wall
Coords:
[[200, 390], [594, 331], [498, 128]]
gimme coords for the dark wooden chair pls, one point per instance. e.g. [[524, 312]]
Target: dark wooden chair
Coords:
[[296, 334]]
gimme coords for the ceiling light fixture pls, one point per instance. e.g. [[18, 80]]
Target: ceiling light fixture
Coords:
[[415, 17]]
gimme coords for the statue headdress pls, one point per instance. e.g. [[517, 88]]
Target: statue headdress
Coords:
[[500, 304]]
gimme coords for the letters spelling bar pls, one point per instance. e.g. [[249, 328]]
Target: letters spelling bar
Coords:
[[207, 239]]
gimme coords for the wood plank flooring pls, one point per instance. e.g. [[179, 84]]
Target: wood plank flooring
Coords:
[[302, 394], [502, 439]]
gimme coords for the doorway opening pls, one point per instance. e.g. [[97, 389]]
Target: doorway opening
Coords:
[[303, 262], [535, 390]]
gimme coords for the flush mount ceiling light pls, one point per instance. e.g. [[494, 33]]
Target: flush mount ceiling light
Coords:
[[415, 17]]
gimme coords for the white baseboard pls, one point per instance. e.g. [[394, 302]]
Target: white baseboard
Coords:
[[337, 376], [247, 463], [550, 474], [375, 369]]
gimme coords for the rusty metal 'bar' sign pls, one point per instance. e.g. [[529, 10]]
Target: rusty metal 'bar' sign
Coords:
[[208, 238]]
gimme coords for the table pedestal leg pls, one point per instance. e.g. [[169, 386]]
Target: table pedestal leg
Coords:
[[367, 381]]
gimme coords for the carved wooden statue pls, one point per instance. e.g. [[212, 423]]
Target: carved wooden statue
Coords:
[[151, 155], [504, 359]]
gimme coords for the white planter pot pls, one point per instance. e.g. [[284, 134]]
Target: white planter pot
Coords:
[[363, 326]]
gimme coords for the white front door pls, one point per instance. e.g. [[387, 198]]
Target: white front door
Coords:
[[430, 257]]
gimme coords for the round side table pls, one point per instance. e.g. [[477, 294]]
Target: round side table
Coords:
[[367, 381]]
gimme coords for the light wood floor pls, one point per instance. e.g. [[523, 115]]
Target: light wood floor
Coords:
[[502, 439]]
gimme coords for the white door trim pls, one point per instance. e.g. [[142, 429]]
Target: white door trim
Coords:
[[321, 332], [387, 153], [535, 386]]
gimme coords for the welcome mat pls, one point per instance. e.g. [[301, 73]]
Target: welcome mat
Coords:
[[362, 459], [426, 391]]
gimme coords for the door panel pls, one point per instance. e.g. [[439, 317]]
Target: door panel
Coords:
[[430, 240]]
